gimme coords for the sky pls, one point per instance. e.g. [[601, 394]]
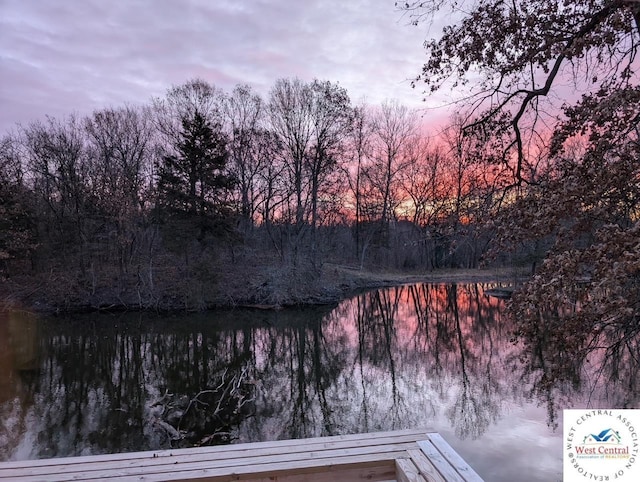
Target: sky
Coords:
[[59, 57]]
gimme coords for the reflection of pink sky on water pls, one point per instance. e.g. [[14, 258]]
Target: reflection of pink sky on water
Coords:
[[413, 360], [433, 356], [457, 372]]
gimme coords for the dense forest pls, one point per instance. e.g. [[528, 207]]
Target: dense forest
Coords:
[[206, 197]]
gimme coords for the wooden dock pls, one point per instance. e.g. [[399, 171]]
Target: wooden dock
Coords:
[[403, 456]]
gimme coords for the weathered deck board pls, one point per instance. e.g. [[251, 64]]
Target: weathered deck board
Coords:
[[406, 456], [217, 466], [381, 464], [225, 456], [238, 450], [452, 457], [380, 473], [406, 471], [426, 468]]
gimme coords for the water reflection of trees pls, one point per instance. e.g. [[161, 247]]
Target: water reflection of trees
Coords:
[[105, 389], [382, 360], [441, 340], [565, 365], [19, 365], [401, 357], [394, 358], [299, 365]]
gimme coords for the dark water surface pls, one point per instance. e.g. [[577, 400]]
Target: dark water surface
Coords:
[[432, 356]]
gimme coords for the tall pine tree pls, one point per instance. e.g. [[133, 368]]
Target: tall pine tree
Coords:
[[192, 182]]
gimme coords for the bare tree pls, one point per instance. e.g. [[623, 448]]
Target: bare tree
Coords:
[[17, 219], [395, 129], [290, 118], [120, 147], [331, 116], [310, 121], [56, 158], [359, 150], [245, 117], [422, 182], [183, 102]]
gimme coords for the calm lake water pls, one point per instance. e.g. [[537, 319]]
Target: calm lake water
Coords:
[[433, 356]]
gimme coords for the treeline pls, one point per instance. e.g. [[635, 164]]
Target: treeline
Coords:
[[206, 196]]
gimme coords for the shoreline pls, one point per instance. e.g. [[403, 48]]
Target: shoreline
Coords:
[[335, 283]]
